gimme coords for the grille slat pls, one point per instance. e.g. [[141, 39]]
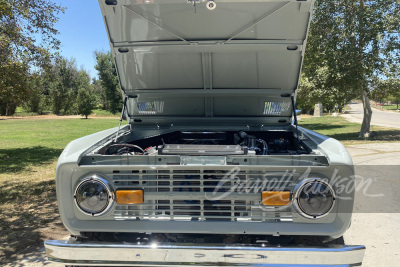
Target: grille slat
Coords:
[[201, 195]]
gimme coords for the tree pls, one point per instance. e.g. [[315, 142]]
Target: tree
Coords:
[[27, 35], [305, 98], [109, 80], [13, 81], [358, 41], [63, 85], [379, 90], [100, 94], [316, 88], [394, 90], [84, 102], [83, 79], [37, 95], [388, 89]]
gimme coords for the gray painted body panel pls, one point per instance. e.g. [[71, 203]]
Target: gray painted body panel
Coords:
[[182, 60], [69, 173], [186, 68], [199, 74]]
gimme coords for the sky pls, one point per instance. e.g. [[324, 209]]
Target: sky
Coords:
[[82, 32]]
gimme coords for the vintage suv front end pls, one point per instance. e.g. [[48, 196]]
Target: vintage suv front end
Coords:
[[212, 169]]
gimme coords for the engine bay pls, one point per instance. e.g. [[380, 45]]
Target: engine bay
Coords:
[[212, 143]]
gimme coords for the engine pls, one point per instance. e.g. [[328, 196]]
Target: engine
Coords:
[[212, 143]]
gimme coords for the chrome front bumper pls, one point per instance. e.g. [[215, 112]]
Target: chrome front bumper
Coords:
[[121, 254]]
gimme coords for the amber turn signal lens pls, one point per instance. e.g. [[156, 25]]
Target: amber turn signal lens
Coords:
[[129, 196], [275, 198]]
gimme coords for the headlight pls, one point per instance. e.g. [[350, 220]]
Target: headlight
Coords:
[[313, 198], [93, 196]]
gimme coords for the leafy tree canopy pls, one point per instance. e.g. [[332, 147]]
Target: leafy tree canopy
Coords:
[[27, 37], [357, 41], [109, 80], [85, 102], [387, 89]]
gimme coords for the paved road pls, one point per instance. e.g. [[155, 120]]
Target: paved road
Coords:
[[378, 231], [379, 118]]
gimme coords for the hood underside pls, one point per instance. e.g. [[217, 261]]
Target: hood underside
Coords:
[[179, 62]]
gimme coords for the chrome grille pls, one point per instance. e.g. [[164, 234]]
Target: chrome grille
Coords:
[[201, 195]]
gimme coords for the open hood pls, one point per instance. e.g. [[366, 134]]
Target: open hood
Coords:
[[181, 63]]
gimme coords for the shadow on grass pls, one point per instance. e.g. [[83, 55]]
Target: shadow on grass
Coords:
[[28, 208], [27, 218], [20, 159], [383, 136], [386, 135]]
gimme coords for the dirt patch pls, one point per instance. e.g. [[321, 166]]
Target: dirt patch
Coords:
[[52, 117]]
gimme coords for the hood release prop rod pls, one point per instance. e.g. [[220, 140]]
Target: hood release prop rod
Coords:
[[295, 119], [120, 121]]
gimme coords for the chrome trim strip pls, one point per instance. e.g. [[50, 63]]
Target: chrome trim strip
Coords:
[[123, 254]]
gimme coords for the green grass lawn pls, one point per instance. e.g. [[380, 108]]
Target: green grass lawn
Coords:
[[347, 132], [20, 112], [34, 142], [29, 149], [103, 113], [51, 133], [390, 107]]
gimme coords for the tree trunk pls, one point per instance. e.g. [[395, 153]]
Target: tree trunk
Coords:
[[365, 127]]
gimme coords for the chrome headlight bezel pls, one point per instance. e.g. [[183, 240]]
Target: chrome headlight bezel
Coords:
[[110, 194], [297, 191]]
